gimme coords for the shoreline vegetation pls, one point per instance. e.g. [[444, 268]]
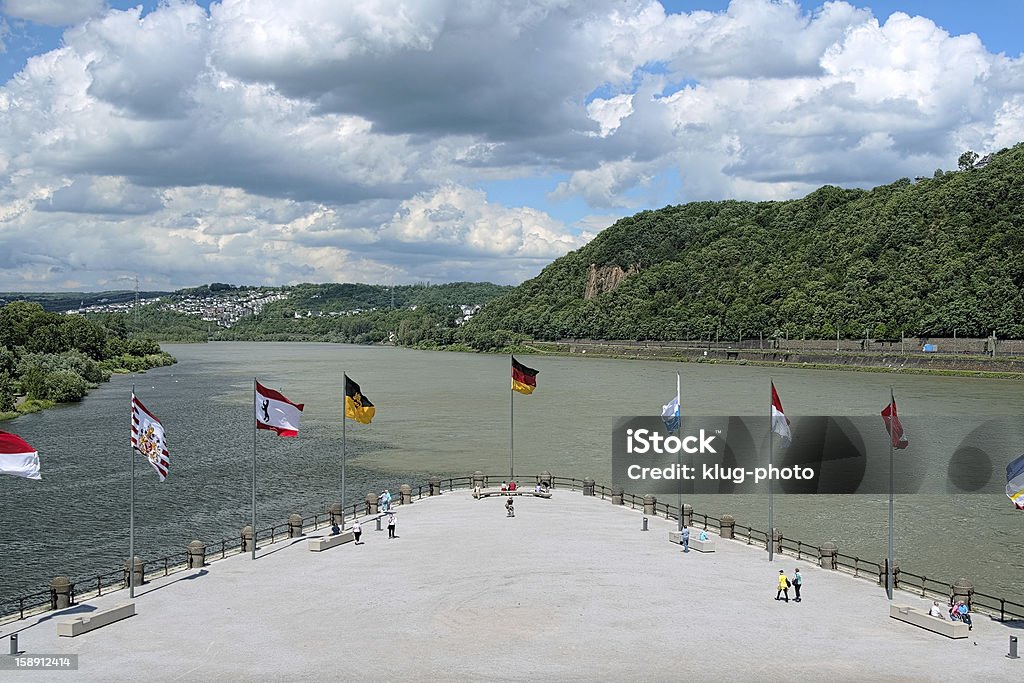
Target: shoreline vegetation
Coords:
[[48, 358]]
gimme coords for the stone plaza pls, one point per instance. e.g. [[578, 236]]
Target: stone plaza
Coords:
[[571, 588]]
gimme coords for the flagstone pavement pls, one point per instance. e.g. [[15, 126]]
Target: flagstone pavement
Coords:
[[569, 589]]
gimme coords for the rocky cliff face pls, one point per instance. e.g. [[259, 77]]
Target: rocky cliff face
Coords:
[[601, 279]]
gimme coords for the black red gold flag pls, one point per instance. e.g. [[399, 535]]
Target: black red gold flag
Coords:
[[524, 379]]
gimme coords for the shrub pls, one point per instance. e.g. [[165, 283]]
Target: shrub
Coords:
[[65, 386]]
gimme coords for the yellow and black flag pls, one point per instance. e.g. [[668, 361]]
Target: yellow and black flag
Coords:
[[524, 379], [357, 406]]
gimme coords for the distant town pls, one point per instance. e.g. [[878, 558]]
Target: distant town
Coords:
[[227, 307]]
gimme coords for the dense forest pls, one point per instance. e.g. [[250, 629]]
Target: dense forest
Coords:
[[49, 358], [160, 324], [924, 257], [349, 297]]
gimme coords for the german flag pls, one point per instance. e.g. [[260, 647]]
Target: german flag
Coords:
[[524, 379], [357, 406]]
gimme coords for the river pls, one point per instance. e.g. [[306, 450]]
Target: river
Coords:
[[447, 414]]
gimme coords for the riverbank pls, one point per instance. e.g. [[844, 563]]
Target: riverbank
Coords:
[[121, 365], [948, 365], [551, 594]]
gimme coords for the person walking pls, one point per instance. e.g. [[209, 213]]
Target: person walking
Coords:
[[685, 539], [510, 508], [783, 586], [357, 530], [392, 521], [797, 582]]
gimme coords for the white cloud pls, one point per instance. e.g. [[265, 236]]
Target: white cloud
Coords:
[[262, 141], [609, 112], [455, 218], [53, 12], [605, 186]]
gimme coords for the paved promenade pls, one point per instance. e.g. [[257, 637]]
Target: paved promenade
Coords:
[[569, 589]]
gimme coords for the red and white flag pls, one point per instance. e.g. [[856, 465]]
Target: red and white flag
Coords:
[[17, 457], [780, 423], [148, 438], [276, 413], [897, 436]]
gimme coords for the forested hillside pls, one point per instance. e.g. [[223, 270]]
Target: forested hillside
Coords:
[[925, 257], [406, 314], [48, 358]]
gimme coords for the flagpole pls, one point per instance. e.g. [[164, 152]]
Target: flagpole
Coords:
[[344, 441], [771, 488], [890, 572], [131, 524], [254, 471], [679, 435], [511, 432]]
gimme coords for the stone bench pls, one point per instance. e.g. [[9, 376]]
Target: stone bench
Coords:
[[83, 624], [917, 617], [700, 546], [324, 542], [517, 492]]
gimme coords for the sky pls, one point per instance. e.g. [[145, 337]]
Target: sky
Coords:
[[263, 142]]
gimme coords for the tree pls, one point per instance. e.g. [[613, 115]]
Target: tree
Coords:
[[85, 335], [7, 393], [33, 383], [967, 160], [65, 386]]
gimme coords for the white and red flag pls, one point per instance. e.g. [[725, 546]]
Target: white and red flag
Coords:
[[276, 413], [898, 438], [148, 438], [17, 457], [780, 423]]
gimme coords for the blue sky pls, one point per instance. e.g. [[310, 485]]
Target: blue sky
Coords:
[[261, 142]]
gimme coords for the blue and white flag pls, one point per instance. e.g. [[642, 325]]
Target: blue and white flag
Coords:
[[670, 415], [1015, 482], [670, 411]]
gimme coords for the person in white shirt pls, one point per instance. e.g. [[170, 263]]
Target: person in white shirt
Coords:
[[935, 611], [392, 521], [357, 530]]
